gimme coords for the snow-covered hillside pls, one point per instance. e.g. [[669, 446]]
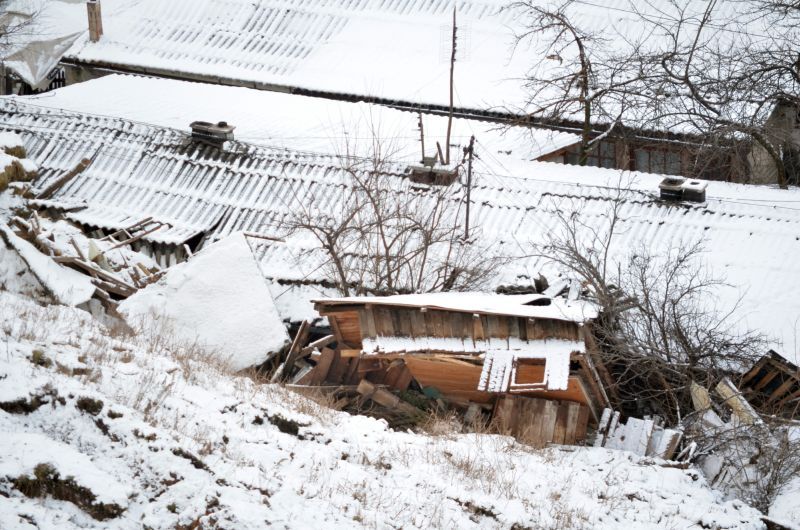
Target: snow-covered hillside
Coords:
[[142, 432]]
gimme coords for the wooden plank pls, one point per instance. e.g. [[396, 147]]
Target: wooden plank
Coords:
[[452, 380], [536, 421], [592, 378], [317, 344], [323, 366], [700, 397], [512, 324], [404, 380], [404, 327], [441, 324], [583, 423], [338, 370], [602, 427], [781, 390], [418, 328], [352, 377], [573, 415], [733, 398], [754, 370], [767, 379], [349, 328], [498, 327], [560, 431], [304, 375], [337, 333], [549, 416], [789, 398], [534, 330], [300, 338], [367, 323], [349, 353], [478, 330], [385, 398], [393, 372], [522, 328], [503, 414]]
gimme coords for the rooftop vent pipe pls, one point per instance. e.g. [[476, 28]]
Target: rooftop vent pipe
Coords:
[[681, 189]]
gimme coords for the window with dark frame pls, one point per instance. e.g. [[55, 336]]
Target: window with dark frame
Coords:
[[656, 160], [603, 154]]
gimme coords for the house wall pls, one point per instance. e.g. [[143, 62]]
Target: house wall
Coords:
[[662, 157], [783, 130]]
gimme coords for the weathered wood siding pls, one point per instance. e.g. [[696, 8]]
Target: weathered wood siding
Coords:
[[404, 322]]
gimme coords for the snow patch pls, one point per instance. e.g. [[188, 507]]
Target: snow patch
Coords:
[[218, 298]]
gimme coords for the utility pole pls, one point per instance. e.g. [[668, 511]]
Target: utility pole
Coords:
[[452, 67], [421, 138], [470, 149]]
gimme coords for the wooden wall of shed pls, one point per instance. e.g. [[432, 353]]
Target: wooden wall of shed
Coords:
[[345, 326], [408, 322], [459, 379]]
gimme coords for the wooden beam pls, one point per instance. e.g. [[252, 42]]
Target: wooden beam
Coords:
[[323, 366], [294, 352], [781, 390], [317, 345], [733, 398]]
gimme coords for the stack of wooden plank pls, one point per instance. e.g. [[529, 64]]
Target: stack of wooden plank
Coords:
[[109, 283], [329, 361]]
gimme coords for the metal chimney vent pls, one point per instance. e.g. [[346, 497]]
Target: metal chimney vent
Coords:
[[672, 188], [694, 191], [681, 189], [212, 133]]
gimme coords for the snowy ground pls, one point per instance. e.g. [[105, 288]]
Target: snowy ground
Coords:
[[144, 425]]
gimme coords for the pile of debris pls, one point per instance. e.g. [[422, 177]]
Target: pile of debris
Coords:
[[523, 365], [108, 264]]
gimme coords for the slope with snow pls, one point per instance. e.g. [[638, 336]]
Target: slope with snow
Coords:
[[177, 441]]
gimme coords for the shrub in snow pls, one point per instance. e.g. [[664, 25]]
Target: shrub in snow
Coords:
[[46, 480]]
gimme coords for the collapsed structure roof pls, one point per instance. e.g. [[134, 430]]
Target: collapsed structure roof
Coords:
[[751, 233]]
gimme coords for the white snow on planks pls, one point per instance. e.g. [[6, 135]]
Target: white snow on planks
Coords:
[[67, 286]]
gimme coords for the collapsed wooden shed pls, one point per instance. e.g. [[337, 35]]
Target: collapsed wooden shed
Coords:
[[527, 358]]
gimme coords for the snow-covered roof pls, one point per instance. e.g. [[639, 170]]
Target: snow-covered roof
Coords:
[[528, 305], [283, 120], [396, 51], [751, 233]]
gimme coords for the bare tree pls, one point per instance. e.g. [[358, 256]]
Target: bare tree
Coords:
[[14, 22], [576, 77], [383, 234], [723, 75], [659, 327]]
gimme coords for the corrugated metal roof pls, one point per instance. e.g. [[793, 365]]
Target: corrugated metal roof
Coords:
[[396, 50], [751, 233]]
